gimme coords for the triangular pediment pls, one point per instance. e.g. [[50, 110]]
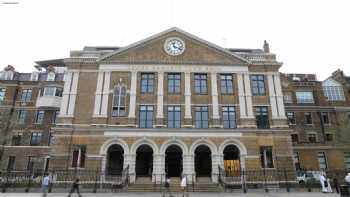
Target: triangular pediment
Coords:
[[330, 82], [151, 51]]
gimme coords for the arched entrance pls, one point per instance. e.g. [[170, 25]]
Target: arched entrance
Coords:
[[232, 159], [115, 160], [202, 161], [144, 161], [173, 161]]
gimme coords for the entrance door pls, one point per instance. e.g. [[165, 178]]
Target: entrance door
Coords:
[[202, 161], [115, 160], [232, 160], [173, 161], [144, 161]]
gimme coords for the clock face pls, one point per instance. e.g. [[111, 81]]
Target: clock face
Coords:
[[174, 46]]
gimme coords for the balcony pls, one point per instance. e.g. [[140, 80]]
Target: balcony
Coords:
[[49, 101]]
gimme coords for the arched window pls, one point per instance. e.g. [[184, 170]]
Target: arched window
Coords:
[[333, 90], [119, 100]]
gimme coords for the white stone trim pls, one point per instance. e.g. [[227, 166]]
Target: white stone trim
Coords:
[[248, 95], [205, 142], [160, 95], [174, 141], [272, 95], [241, 96], [174, 68], [98, 94], [188, 110], [105, 94], [132, 103], [164, 134], [65, 94], [105, 146], [214, 95]]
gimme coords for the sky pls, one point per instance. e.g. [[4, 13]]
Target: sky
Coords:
[[310, 36]]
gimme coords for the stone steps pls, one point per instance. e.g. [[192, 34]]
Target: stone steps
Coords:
[[174, 188]]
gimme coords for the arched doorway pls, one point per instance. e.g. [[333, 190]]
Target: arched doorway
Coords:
[[173, 161], [232, 160], [202, 161], [144, 161], [115, 160]]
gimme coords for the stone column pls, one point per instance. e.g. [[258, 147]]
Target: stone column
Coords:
[[279, 96], [241, 96], [73, 94], [248, 94], [132, 104], [98, 94], [217, 160], [245, 101], [105, 94], [159, 117], [188, 166], [215, 100], [188, 115], [158, 168], [65, 94], [130, 159], [272, 95]]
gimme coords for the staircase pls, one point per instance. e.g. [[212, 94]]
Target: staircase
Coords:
[[146, 185]]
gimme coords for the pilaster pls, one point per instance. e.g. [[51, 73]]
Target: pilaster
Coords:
[[159, 117], [215, 100], [188, 116], [132, 103]]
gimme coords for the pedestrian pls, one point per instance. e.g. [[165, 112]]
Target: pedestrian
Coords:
[[183, 185], [167, 187], [323, 183], [329, 188], [75, 187], [45, 184], [347, 180]]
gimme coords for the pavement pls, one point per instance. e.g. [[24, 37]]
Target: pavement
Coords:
[[292, 194]]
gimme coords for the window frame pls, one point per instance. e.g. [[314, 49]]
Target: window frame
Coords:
[[201, 83], [202, 122], [265, 164], [303, 98], [312, 136], [80, 161], [174, 83], [262, 116], [231, 118], [226, 85], [175, 110], [258, 85], [35, 138], [39, 114], [323, 120], [325, 160], [148, 78], [12, 162], [22, 116], [306, 119], [347, 160], [118, 108], [26, 95], [2, 95], [148, 110], [291, 121]]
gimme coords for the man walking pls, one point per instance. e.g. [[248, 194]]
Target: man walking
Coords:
[[347, 180], [75, 187], [183, 185], [45, 184], [167, 187]]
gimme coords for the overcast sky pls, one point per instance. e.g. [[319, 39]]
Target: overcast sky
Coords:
[[307, 36]]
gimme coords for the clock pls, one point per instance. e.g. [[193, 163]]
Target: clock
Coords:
[[174, 46]]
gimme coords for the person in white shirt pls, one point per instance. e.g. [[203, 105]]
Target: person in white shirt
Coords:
[[183, 185], [323, 183], [45, 184], [347, 180]]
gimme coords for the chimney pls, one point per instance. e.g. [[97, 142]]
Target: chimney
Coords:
[[266, 47]]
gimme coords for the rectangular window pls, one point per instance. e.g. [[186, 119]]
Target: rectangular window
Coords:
[[334, 93], [329, 137], [322, 161], [16, 139], [297, 160], [287, 98], [202, 117], [26, 95], [39, 119], [146, 116], [325, 117], [147, 82], [21, 116], [174, 116], [312, 137], [266, 157], [226, 83], [49, 91], [347, 160], [295, 138], [229, 117], [262, 117], [78, 157], [291, 118], [174, 83], [119, 101], [304, 97], [258, 85], [58, 92], [200, 84], [35, 139], [11, 163], [2, 95], [308, 118]]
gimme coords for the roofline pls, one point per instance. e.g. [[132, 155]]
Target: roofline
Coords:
[[167, 31], [46, 63]]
